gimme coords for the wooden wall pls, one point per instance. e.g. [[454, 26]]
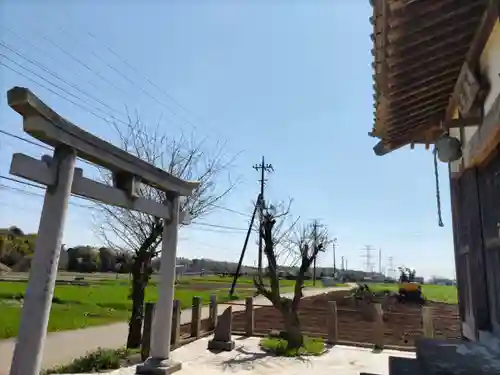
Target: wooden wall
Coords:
[[476, 225], [489, 189]]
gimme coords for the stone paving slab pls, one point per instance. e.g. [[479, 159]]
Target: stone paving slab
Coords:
[[248, 359]]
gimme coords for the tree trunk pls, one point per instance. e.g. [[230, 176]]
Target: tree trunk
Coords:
[[292, 328], [137, 295]]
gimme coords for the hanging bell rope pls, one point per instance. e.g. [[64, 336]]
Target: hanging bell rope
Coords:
[[438, 194]]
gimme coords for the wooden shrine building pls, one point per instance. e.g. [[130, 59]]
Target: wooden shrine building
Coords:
[[437, 84]]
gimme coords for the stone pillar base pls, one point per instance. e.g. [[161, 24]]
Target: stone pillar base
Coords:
[[225, 346], [158, 366]]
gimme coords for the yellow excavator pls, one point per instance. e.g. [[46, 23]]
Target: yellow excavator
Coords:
[[409, 290]]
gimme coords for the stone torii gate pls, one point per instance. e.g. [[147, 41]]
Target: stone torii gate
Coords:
[[62, 179]]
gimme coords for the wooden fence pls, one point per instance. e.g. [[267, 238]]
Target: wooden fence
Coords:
[[244, 323]]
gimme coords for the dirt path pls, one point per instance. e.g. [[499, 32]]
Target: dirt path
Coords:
[[63, 347]]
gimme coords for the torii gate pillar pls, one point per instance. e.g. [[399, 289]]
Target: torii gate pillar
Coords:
[[43, 273], [160, 362]]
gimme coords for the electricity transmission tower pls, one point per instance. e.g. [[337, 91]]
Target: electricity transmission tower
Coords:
[[367, 255], [390, 267], [263, 168]]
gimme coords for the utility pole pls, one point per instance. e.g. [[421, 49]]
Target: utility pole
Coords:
[[238, 268], [334, 259], [317, 247], [263, 167], [342, 263], [380, 261], [315, 239]]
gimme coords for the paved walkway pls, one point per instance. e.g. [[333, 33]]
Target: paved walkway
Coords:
[[249, 359], [63, 347]]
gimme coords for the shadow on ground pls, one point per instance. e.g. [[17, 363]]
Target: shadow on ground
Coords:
[[248, 360]]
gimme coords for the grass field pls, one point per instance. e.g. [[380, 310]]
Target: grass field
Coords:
[[437, 293], [105, 300]]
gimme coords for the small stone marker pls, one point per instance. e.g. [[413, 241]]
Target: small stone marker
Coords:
[[222, 337], [213, 311]]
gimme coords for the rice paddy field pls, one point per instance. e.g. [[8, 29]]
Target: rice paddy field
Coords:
[[436, 293], [98, 299]]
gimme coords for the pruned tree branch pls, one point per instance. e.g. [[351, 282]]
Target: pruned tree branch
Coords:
[[300, 243], [181, 156]]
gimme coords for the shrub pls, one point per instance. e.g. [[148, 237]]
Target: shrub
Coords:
[[101, 359], [279, 347]]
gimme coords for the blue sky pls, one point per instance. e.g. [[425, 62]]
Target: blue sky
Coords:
[[290, 80]]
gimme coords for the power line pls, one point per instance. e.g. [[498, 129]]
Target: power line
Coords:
[[24, 139], [9, 134], [53, 91], [212, 230], [22, 182], [21, 191], [62, 89], [44, 53], [87, 67], [133, 68], [35, 194], [84, 64], [29, 141], [171, 100], [57, 76], [98, 74], [124, 76], [32, 193], [231, 210], [219, 226]]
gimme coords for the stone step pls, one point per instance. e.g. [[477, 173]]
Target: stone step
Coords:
[[404, 366], [444, 357]]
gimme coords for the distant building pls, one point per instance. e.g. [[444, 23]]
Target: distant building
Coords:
[[442, 281]]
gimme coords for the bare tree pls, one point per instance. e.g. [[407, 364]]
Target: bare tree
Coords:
[[140, 233], [299, 244]]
